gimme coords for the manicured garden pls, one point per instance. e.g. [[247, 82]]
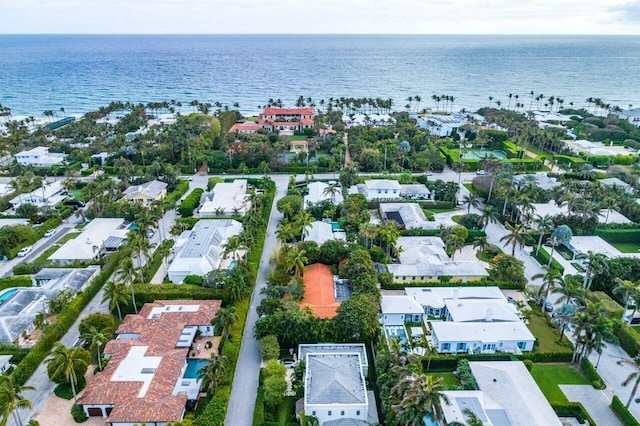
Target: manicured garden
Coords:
[[627, 247], [547, 336], [449, 380], [549, 376]]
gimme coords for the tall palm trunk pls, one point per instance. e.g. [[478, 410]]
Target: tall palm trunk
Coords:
[[539, 243], [73, 389], [633, 392], [133, 299]]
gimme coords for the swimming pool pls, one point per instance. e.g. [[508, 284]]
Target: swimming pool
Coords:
[[232, 264], [4, 295], [193, 365], [479, 154], [396, 332], [334, 226]]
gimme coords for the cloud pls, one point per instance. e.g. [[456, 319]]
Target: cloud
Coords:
[[626, 12]]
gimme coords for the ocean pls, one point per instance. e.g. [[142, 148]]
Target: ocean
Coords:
[[83, 72]]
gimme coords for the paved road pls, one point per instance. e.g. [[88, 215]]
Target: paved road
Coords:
[[245, 380], [595, 401], [39, 380]]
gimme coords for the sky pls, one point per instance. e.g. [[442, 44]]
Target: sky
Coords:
[[320, 16]]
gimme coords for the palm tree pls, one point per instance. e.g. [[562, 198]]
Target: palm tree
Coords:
[[514, 237], [284, 233], [459, 167], [633, 376], [225, 318], [11, 399], [295, 261], [129, 275], [115, 293], [481, 243], [544, 224], [561, 235], [97, 338], [550, 278], [303, 220], [368, 232], [68, 363], [471, 200], [597, 263], [331, 190], [213, 371], [489, 215], [233, 246], [569, 288], [417, 392], [629, 291]]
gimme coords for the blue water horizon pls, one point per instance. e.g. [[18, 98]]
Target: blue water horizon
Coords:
[[80, 73]]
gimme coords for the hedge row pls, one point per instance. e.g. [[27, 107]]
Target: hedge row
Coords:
[[592, 374], [480, 283], [176, 194], [572, 409], [36, 235], [64, 321], [15, 281], [148, 294], [628, 340], [441, 363], [618, 235], [614, 309], [623, 413], [546, 357], [543, 259], [190, 202]]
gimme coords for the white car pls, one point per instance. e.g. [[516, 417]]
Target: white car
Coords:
[[49, 233], [481, 172], [24, 251]]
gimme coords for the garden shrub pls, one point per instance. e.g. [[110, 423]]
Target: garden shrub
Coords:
[[16, 281], [592, 375], [78, 414], [190, 203], [572, 409]]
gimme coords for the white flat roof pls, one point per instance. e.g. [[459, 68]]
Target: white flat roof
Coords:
[[510, 384], [136, 367], [474, 310], [585, 244], [317, 194], [227, 196], [552, 209], [486, 332], [321, 232], [437, 295], [392, 304], [94, 235]]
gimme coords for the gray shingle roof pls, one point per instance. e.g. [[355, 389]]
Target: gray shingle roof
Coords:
[[334, 379]]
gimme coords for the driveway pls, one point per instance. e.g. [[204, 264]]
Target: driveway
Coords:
[[245, 380], [594, 401]]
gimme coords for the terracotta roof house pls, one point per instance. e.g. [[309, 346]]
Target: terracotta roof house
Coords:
[[295, 119], [246, 128], [319, 292], [149, 378]]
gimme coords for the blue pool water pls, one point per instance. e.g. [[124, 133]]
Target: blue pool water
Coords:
[[232, 264], [334, 226], [395, 332], [429, 422], [7, 294], [132, 227], [193, 365]]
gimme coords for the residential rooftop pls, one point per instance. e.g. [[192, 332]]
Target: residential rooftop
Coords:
[[334, 378]]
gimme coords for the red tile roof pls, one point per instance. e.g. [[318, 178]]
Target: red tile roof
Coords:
[[319, 294], [160, 335], [289, 111], [327, 132], [246, 126]]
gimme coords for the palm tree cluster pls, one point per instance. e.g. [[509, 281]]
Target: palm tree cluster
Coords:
[[385, 235], [447, 102], [407, 392], [296, 228], [12, 399]]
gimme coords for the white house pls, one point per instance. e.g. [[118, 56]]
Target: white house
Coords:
[[615, 182], [442, 125], [632, 115], [415, 191], [99, 236], [552, 209], [481, 337], [424, 259], [226, 199], [321, 232], [378, 189], [149, 378], [201, 250], [47, 195], [406, 215], [507, 395], [21, 305], [400, 309], [318, 192], [39, 157], [335, 389]]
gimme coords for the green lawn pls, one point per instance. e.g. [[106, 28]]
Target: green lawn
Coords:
[[627, 247], [449, 382], [77, 194], [286, 410], [546, 335], [48, 252], [549, 376]]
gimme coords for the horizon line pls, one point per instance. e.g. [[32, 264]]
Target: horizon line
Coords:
[[334, 34]]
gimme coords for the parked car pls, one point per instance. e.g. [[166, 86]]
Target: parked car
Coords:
[[24, 251], [548, 307], [49, 233], [75, 203], [481, 172]]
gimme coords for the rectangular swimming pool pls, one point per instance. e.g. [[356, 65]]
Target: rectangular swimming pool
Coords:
[[396, 332], [193, 365]]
